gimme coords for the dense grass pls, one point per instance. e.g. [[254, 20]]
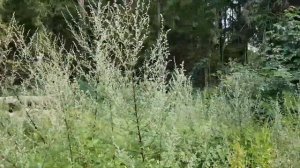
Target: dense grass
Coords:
[[111, 117]]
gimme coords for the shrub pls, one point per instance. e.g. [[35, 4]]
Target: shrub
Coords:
[[110, 116]]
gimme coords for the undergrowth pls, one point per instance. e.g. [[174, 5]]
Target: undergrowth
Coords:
[[93, 108]]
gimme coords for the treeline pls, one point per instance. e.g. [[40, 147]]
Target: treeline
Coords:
[[205, 35]]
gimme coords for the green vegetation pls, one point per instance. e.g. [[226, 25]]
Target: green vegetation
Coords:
[[105, 92]]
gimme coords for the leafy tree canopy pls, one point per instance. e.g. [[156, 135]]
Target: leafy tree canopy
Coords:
[[282, 46]]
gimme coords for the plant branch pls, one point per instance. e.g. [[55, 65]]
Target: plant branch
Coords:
[[140, 140]]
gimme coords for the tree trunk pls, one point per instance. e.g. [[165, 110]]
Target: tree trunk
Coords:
[[221, 37]]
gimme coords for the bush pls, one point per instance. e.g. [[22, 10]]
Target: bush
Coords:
[[109, 116]]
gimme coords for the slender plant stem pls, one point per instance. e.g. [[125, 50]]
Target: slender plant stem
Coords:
[[140, 140], [35, 127], [68, 134]]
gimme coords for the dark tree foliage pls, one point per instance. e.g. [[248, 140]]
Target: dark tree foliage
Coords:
[[282, 47], [205, 35], [294, 2]]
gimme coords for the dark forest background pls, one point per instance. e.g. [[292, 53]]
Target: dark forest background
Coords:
[[205, 34]]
